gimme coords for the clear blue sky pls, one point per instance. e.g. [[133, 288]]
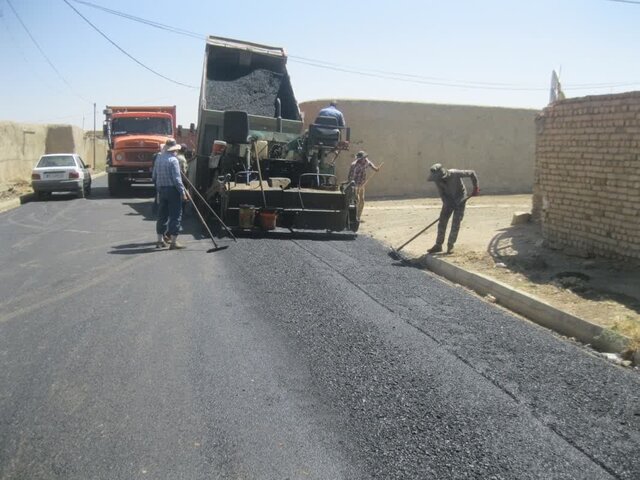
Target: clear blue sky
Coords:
[[473, 52]]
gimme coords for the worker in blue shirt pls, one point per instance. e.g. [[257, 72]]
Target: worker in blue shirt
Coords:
[[332, 111], [171, 193]]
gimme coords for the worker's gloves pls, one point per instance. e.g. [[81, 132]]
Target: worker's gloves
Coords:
[[475, 192]]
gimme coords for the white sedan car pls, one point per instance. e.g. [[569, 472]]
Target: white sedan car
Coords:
[[61, 172]]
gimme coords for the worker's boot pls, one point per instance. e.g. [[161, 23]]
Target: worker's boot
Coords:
[[175, 245], [161, 242], [435, 249], [450, 248]]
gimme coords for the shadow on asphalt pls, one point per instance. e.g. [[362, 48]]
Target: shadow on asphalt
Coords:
[[55, 197], [190, 226], [100, 193], [134, 248], [143, 209], [295, 235]]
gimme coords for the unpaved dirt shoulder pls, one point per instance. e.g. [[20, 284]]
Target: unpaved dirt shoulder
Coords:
[[598, 290]]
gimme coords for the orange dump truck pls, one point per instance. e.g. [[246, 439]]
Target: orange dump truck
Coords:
[[135, 134]]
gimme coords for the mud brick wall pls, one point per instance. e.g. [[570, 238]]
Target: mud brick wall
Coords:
[[587, 175], [21, 145], [498, 143]]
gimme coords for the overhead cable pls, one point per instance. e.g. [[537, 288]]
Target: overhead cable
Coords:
[[35, 42], [34, 70], [169, 28], [397, 76], [125, 52]]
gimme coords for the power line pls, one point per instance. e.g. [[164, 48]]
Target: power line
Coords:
[[317, 63], [308, 61], [35, 71], [632, 2], [330, 65], [169, 28], [418, 80], [449, 82], [124, 51], [44, 54], [387, 75]]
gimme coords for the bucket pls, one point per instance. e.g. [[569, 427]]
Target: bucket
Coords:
[[268, 219], [246, 216]]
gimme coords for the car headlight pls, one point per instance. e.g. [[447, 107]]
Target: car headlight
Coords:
[[120, 156]]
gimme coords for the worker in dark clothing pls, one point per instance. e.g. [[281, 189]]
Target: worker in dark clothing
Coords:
[[453, 193], [332, 111]]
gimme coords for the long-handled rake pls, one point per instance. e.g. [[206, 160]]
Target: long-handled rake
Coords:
[[395, 252], [216, 247], [193, 189]]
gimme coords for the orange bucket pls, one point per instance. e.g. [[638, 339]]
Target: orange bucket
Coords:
[[268, 219]]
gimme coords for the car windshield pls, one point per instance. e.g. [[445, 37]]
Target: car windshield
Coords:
[[56, 161], [137, 125]]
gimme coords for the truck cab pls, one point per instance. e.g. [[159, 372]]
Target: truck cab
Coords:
[[135, 135]]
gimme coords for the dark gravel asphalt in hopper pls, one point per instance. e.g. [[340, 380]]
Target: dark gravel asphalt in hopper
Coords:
[[254, 93]]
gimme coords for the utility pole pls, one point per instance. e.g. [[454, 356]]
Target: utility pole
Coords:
[[94, 135]]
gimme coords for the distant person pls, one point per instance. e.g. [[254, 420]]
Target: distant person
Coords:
[[182, 159], [154, 206], [358, 174], [453, 194], [332, 111], [171, 193]]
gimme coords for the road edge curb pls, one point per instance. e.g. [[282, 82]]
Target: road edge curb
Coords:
[[534, 309]]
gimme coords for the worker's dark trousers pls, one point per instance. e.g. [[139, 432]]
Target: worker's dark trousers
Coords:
[[169, 211], [448, 208]]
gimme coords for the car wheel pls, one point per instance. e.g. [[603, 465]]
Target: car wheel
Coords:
[[87, 190], [41, 196]]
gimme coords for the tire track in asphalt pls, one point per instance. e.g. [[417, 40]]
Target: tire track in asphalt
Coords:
[[46, 288], [80, 286], [43, 227]]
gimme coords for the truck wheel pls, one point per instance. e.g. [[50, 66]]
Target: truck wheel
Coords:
[[115, 184], [353, 222]]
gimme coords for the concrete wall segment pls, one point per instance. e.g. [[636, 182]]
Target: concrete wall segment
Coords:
[[499, 143], [22, 144]]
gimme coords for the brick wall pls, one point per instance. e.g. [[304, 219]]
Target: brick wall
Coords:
[[587, 175]]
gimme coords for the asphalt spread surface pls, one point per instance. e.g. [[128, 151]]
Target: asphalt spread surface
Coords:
[[306, 356]]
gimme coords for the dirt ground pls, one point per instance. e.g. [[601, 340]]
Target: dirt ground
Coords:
[[14, 190], [604, 292]]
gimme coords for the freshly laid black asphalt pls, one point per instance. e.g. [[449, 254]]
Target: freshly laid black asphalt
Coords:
[[305, 356]]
